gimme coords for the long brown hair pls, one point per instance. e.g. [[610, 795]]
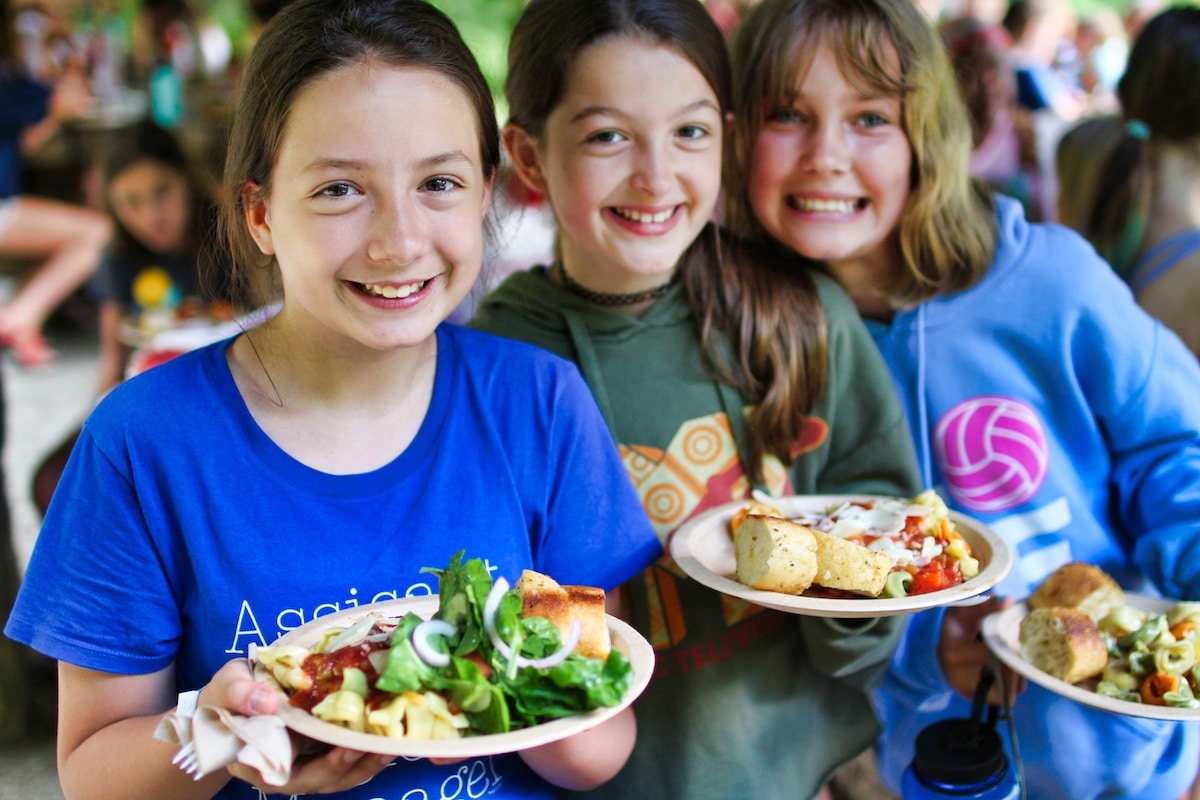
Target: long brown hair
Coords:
[[761, 322], [947, 231]]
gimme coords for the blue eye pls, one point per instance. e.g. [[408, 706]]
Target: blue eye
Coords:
[[784, 116], [693, 132], [870, 119]]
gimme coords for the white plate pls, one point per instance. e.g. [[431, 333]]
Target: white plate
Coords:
[[703, 548], [625, 639], [1001, 633]]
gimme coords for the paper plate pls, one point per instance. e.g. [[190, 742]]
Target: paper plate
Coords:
[[1001, 633], [625, 639], [703, 548]]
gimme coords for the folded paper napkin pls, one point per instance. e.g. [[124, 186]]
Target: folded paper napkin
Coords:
[[220, 737]]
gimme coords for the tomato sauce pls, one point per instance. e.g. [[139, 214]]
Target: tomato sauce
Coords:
[[326, 671]]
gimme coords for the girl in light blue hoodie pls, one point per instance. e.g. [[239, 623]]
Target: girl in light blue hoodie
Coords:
[[1041, 398]]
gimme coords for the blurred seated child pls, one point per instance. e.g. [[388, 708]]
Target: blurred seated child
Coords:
[[163, 218]]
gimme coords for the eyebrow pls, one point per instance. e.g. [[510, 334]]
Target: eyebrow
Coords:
[[591, 111], [431, 162]]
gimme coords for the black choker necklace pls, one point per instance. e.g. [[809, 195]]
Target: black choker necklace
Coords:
[[602, 299]]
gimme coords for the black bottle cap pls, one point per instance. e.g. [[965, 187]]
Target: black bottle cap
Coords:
[[959, 752]]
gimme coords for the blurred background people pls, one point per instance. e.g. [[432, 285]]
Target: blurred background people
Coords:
[[1139, 12], [1003, 152], [62, 241], [1041, 32], [1135, 177], [1101, 49]]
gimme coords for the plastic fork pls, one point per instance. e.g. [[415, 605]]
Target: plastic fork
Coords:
[[186, 759]]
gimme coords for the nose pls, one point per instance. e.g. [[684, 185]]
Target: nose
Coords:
[[397, 235], [828, 148], [653, 171]]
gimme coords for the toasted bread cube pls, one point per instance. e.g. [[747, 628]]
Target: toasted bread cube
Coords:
[[847, 565], [775, 555], [542, 596], [1063, 642]]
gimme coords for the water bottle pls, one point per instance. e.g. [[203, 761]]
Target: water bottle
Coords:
[[961, 758]]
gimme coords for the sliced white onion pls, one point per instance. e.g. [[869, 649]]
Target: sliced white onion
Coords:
[[426, 651], [489, 624], [560, 655], [355, 634]]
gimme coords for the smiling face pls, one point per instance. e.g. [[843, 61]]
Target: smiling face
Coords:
[[150, 199], [829, 175], [630, 159], [376, 206]]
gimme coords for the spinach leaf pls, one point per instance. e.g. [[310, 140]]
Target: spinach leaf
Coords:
[[404, 670], [494, 693]]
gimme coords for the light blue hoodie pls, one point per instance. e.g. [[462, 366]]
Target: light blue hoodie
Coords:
[[1046, 403]]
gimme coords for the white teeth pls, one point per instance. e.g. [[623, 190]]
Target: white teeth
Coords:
[[827, 206], [643, 217], [392, 292]]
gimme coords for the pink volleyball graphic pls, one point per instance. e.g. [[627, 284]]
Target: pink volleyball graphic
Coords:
[[992, 452]]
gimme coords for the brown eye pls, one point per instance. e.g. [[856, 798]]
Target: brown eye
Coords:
[[605, 137], [439, 184], [336, 190]]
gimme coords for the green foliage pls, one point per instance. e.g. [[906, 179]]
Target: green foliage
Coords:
[[485, 26]]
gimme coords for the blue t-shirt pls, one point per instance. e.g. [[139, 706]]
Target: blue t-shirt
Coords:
[[180, 533], [1046, 403]]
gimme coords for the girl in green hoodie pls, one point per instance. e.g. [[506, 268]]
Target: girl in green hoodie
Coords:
[[719, 370]]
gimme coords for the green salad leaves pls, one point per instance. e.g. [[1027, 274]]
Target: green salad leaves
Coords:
[[486, 674]]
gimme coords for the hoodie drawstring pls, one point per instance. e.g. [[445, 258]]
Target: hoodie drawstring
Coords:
[[589, 367], [923, 444]]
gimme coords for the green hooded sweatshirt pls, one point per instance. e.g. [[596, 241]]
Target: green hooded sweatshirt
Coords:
[[745, 702]]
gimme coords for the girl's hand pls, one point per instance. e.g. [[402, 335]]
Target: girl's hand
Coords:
[[334, 770], [963, 655]]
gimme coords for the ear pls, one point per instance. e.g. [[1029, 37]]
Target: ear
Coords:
[[522, 149], [487, 194], [258, 217]]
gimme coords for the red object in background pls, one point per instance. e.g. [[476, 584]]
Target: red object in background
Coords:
[[145, 359], [521, 194]]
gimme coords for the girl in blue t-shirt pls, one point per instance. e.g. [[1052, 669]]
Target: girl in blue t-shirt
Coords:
[[326, 457]]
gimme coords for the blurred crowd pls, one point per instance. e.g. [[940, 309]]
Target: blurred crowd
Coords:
[[1029, 70]]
